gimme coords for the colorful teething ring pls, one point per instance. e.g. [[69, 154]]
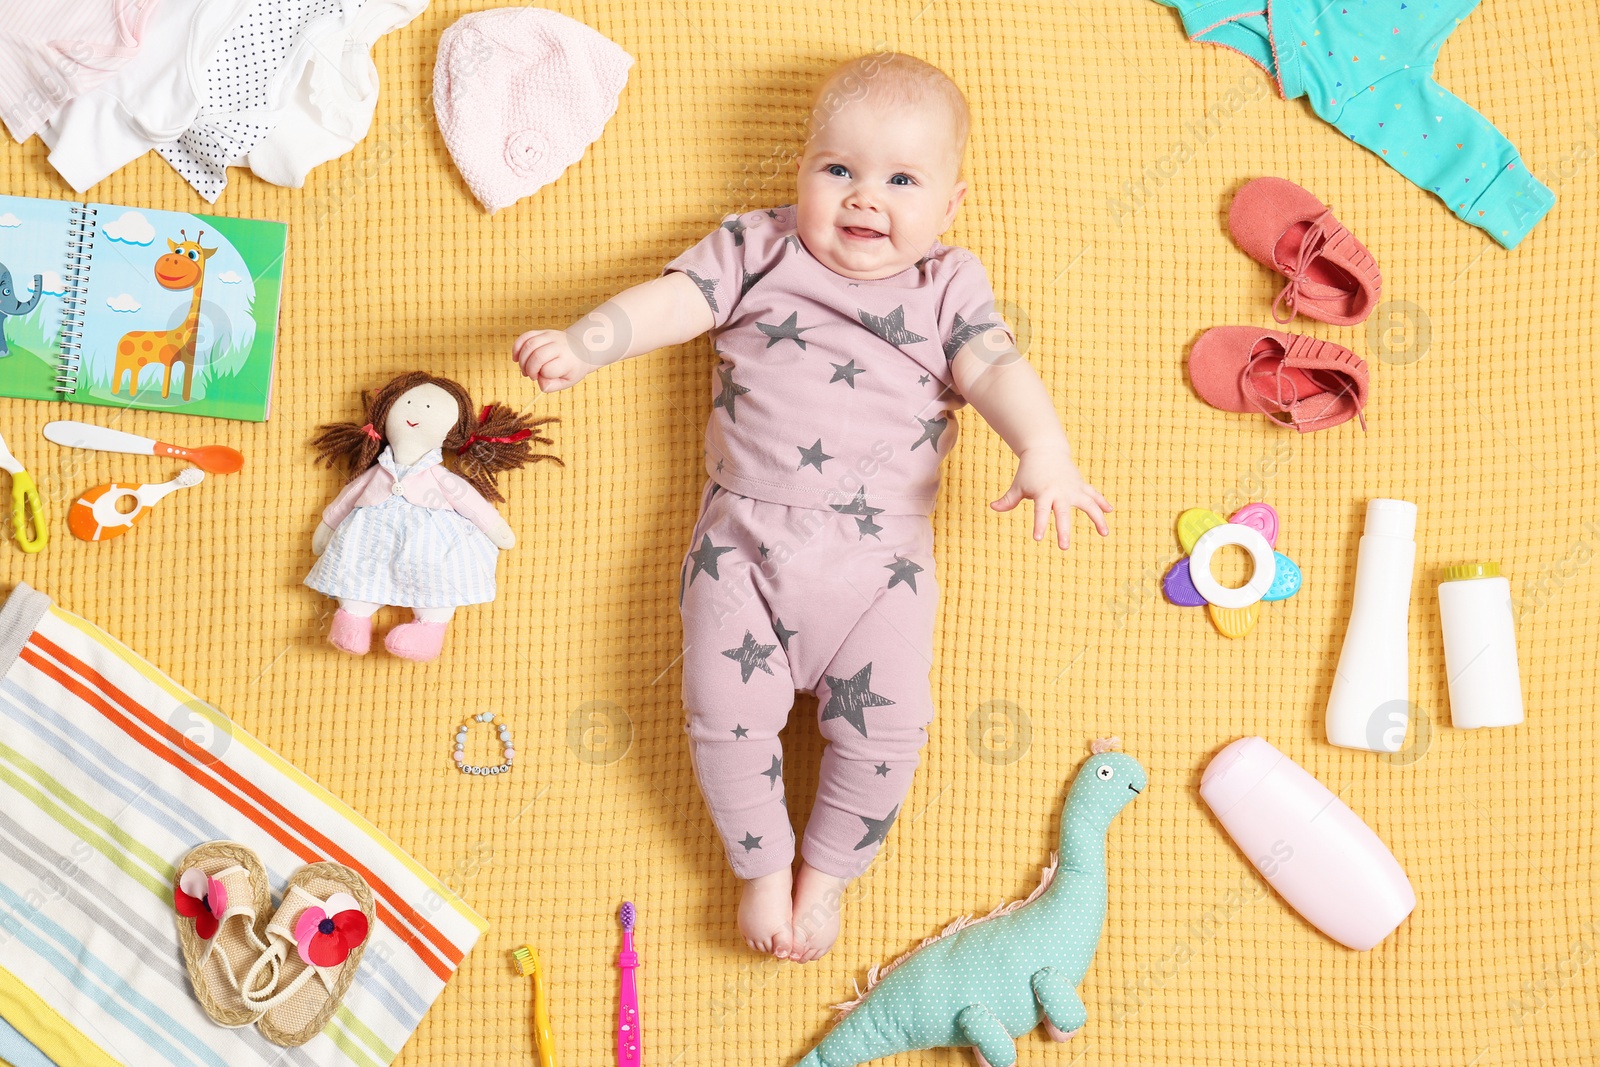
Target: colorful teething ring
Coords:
[[1191, 584]]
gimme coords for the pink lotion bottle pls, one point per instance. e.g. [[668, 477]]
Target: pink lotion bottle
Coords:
[[1317, 853]]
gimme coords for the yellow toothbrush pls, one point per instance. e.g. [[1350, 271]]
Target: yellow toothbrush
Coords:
[[544, 1045]]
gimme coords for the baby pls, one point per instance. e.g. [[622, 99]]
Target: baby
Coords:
[[847, 335]]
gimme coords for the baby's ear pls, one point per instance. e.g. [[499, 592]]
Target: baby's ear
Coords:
[[958, 193]]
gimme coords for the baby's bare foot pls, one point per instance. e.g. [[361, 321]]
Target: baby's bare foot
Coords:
[[764, 914], [818, 907]]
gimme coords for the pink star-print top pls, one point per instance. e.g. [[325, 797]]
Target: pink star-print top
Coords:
[[830, 392]]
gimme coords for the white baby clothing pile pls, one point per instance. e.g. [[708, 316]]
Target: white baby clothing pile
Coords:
[[280, 86]]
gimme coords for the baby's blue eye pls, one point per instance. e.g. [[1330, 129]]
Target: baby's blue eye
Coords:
[[838, 170], [901, 179]]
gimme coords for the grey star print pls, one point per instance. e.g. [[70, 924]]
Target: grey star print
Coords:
[[924, 380], [735, 227], [881, 770], [858, 505], [731, 392], [752, 841], [868, 526], [877, 829], [890, 327], [932, 430], [794, 239], [774, 772], [705, 559], [783, 634], [787, 330], [813, 456], [708, 289], [749, 281], [962, 332], [905, 570], [740, 732], [846, 373], [750, 656], [849, 697]]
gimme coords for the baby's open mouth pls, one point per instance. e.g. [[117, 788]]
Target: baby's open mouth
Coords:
[[862, 232]]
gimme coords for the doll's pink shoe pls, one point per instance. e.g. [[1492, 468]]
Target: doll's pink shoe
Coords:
[[1332, 276], [1296, 381], [416, 640], [350, 633]]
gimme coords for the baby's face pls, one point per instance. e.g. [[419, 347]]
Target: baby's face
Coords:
[[877, 188]]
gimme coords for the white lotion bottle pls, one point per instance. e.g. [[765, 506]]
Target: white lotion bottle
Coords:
[[1480, 647], [1322, 859], [1369, 706]]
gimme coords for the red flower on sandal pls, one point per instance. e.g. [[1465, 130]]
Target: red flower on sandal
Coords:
[[202, 898], [325, 936]]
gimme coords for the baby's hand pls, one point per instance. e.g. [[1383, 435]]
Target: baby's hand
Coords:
[[547, 358], [1053, 482]]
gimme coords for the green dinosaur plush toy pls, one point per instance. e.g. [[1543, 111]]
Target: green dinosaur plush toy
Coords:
[[985, 982]]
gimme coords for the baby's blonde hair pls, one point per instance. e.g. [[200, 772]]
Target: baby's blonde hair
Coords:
[[892, 79]]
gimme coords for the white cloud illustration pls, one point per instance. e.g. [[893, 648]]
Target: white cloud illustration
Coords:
[[230, 276], [124, 302], [53, 285], [9, 221], [131, 229]]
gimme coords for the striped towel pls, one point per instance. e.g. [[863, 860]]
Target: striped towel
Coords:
[[109, 773]]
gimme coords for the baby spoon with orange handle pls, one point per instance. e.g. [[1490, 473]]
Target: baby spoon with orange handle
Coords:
[[214, 459]]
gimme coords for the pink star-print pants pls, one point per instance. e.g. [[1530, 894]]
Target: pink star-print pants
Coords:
[[839, 602]]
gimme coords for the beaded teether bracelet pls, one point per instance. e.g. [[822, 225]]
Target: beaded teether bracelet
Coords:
[[505, 741]]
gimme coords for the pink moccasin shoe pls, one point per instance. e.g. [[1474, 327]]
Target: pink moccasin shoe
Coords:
[[1296, 381], [1332, 276], [350, 633], [417, 640]]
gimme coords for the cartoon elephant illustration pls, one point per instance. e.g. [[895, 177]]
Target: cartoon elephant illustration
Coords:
[[10, 305]]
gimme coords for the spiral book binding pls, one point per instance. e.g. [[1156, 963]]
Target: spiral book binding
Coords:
[[75, 302]]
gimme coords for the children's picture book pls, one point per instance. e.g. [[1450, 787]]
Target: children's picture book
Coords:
[[136, 308]]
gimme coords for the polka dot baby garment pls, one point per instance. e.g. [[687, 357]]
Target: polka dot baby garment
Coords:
[[243, 84]]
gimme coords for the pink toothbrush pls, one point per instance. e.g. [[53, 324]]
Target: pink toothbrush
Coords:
[[628, 1051]]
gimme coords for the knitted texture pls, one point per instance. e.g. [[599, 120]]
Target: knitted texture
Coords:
[[1106, 149], [520, 92], [980, 983]]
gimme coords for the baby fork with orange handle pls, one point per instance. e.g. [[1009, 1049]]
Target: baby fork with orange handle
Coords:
[[213, 459]]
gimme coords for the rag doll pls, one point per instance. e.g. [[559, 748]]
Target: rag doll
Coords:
[[406, 530]]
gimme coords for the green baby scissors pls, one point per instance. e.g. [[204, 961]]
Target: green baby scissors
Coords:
[[27, 510]]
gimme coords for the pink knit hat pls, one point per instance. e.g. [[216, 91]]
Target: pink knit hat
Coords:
[[520, 92]]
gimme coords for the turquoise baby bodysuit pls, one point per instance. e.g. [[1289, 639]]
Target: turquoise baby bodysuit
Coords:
[[1366, 66]]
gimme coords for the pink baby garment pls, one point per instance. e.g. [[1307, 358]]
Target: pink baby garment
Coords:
[[54, 50], [825, 384]]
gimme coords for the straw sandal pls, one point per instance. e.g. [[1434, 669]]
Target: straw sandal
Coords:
[[1297, 381], [1332, 276], [316, 941], [221, 895]]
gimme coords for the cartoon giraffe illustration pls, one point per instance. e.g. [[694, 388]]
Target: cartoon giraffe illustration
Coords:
[[183, 267]]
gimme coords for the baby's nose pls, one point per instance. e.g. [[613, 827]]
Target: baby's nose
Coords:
[[859, 198]]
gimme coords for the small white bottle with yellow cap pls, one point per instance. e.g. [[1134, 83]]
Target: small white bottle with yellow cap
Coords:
[[1480, 646]]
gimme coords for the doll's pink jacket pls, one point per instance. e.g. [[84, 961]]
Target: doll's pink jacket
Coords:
[[432, 487]]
